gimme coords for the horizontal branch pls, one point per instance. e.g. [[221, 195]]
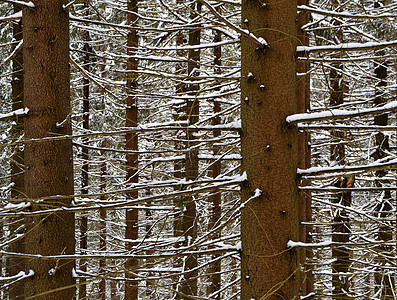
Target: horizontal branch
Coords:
[[233, 126], [347, 127], [345, 47], [217, 183], [177, 251], [343, 14], [23, 3], [12, 17], [340, 114], [259, 41], [351, 189], [347, 169], [15, 114]]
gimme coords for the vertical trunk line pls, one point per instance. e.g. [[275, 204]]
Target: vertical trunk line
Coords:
[[189, 220], [14, 264], [102, 228], [85, 157], [269, 270], [131, 233], [216, 197], [305, 206], [49, 164]]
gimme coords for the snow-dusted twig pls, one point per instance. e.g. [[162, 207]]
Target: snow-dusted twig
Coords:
[[257, 40], [347, 127], [347, 169], [16, 16], [346, 47], [292, 244], [344, 14], [28, 4], [216, 184], [340, 114], [13, 53], [14, 114]]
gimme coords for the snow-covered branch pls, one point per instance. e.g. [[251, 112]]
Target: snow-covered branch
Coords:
[[23, 3], [340, 114], [344, 14], [15, 16], [346, 47], [14, 114], [347, 169], [257, 40], [13, 53]]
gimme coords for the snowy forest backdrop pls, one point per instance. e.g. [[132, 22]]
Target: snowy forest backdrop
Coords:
[[157, 91]]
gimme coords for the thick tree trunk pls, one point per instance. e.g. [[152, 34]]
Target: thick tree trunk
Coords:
[[131, 233], [14, 264], [269, 152], [49, 164]]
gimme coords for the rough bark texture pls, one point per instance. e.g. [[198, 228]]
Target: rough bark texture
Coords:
[[269, 152], [15, 264], [189, 221], [85, 157], [305, 205], [131, 233], [49, 164], [216, 197]]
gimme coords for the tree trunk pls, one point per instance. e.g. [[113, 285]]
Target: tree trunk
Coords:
[[179, 114], [49, 164], [383, 277], [305, 205], [269, 152], [85, 157], [131, 233], [189, 221], [215, 199], [102, 229], [15, 264]]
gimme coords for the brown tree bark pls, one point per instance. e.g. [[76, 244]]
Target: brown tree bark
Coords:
[[189, 219], [131, 233], [216, 197], [269, 152], [102, 230], [49, 164], [383, 277], [14, 264], [305, 205], [179, 114], [85, 157]]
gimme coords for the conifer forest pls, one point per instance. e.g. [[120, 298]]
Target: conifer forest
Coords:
[[198, 149]]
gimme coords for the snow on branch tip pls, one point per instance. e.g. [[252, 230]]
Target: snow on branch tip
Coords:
[[24, 3], [339, 114], [14, 114]]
